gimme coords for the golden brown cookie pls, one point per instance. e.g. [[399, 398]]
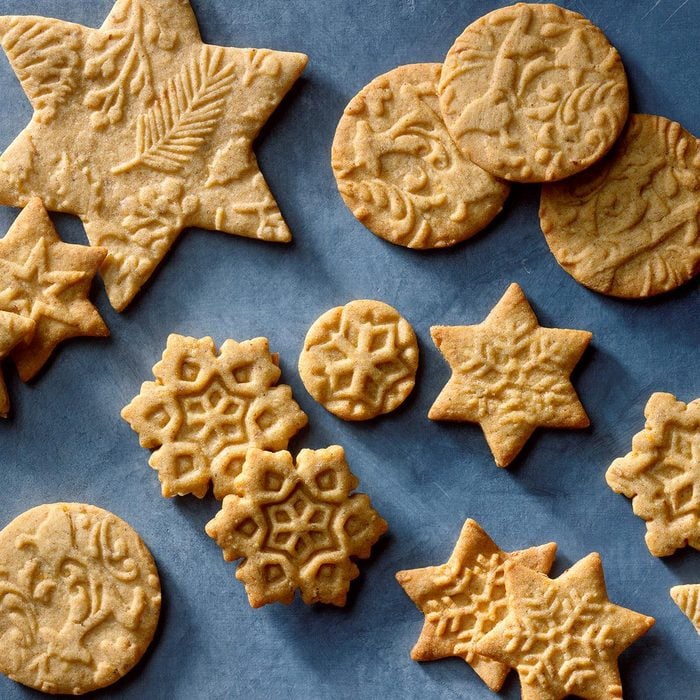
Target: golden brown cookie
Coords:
[[465, 598], [510, 375], [563, 636], [400, 172], [687, 598], [142, 130], [533, 93], [80, 597], [13, 330], [662, 474], [360, 360], [629, 226], [296, 526], [205, 410], [48, 281]]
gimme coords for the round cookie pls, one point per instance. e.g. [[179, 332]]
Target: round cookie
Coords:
[[360, 360], [533, 93], [400, 172], [628, 227], [79, 598]]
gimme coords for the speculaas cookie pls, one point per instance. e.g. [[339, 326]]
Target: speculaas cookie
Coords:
[[687, 598]]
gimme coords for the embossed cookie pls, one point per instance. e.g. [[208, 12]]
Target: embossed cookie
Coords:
[[205, 410], [13, 330], [510, 375], [687, 598], [296, 526], [533, 93], [48, 281], [465, 598], [79, 598], [628, 227], [360, 360], [142, 130], [662, 474], [563, 636], [400, 172]]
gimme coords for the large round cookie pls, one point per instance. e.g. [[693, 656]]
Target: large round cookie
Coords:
[[400, 172], [629, 227], [533, 93], [79, 598]]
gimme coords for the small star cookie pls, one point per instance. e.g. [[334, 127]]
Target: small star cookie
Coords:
[[13, 330], [465, 598], [687, 598], [510, 375]]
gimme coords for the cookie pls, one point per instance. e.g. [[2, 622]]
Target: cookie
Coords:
[[687, 598], [81, 595], [205, 410], [563, 636], [628, 227], [533, 93], [48, 281], [13, 330], [465, 598], [510, 375], [360, 360], [142, 130], [296, 526], [662, 474], [400, 172]]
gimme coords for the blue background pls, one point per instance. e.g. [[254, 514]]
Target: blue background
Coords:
[[66, 440]]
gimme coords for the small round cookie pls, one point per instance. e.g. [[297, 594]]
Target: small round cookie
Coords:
[[533, 93], [360, 360], [400, 172], [628, 227], [79, 598]]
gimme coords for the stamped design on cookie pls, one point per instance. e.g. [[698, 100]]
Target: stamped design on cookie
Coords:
[[533, 93], [296, 526], [79, 598], [630, 226], [465, 598], [662, 474], [400, 172], [205, 410], [687, 598], [13, 330], [360, 360], [142, 130]]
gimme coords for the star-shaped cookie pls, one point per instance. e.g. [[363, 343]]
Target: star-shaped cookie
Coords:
[[13, 330], [48, 281], [563, 636], [687, 598], [463, 599], [141, 130], [510, 375]]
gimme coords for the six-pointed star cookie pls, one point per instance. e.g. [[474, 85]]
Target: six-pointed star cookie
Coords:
[[48, 281], [510, 375], [463, 599], [141, 130], [563, 636], [13, 330]]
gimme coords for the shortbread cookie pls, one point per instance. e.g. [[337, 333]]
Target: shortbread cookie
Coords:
[[47, 281], [563, 636], [79, 598], [205, 410], [510, 375], [628, 227], [360, 360], [400, 172], [141, 130], [465, 598], [533, 93], [687, 598], [296, 526], [13, 330], [662, 474]]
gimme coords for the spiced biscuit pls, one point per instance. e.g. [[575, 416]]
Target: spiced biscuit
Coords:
[[13, 330], [687, 598]]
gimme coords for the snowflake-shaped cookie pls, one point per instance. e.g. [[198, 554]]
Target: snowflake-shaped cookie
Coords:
[[662, 474], [205, 410], [296, 526]]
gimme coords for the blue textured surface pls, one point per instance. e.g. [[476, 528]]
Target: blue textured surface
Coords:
[[67, 442]]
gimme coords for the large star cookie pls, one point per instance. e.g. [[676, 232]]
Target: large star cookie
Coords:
[[465, 598], [510, 375], [687, 598], [662, 474], [13, 330], [141, 130], [563, 636], [48, 281]]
